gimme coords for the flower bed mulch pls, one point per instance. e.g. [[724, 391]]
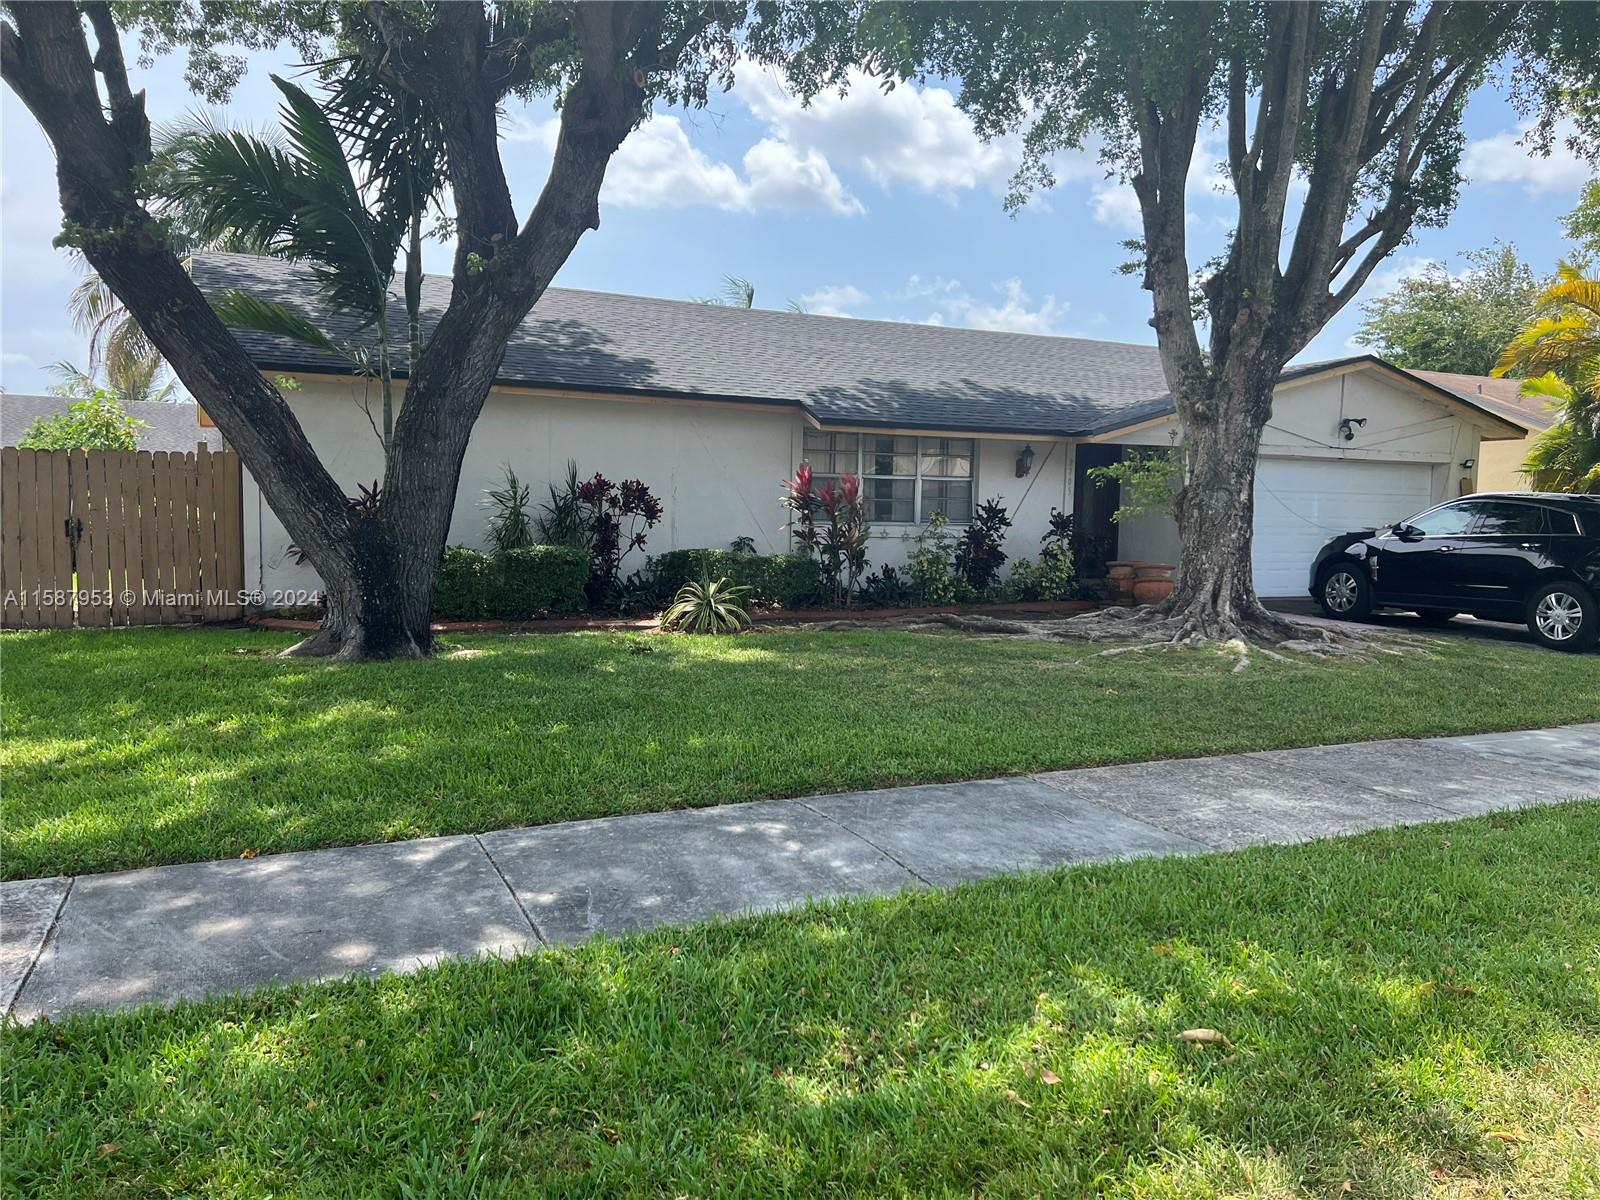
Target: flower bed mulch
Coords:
[[1060, 608]]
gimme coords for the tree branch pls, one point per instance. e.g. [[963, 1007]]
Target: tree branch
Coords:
[[47, 63]]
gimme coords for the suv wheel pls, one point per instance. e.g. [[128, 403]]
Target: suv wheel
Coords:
[[1344, 593], [1564, 616]]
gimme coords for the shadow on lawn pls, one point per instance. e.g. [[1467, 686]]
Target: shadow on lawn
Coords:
[[1390, 1002], [134, 748]]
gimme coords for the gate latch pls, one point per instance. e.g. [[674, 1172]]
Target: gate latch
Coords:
[[73, 528]]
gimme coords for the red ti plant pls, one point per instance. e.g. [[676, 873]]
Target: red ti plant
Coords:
[[830, 522], [845, 536], [800, 498], [610, 540]]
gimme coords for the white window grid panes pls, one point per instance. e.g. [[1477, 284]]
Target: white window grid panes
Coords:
[[904, 479]]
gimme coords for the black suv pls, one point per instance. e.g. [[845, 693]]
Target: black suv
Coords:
[[1504, 556]]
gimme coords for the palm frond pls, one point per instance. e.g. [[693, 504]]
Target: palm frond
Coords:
[[738, 292], [1566, 334], [138, 379], [297, 201], [1550, 386], [395, 139], [352, 254], [243, 310], [74, 380]]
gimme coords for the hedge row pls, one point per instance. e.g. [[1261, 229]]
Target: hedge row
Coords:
[[784, 580], [513, 586]]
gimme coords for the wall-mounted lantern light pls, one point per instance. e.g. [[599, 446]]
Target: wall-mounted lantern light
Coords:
[[1025, 462], [1468, 463], [1347, 427]]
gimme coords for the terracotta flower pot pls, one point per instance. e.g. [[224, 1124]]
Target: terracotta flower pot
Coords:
[[1121, 575], [1151, 591], [1152, 583]]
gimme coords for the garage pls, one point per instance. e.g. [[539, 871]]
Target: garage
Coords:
[[1302, 502]]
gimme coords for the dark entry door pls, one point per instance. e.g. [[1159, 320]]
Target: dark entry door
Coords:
[[1092, 507]]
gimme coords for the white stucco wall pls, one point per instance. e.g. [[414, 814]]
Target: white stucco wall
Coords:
[[1403, 425], [717, 471]]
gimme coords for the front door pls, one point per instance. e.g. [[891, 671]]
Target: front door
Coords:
[[1415, 563], [1092, 507]]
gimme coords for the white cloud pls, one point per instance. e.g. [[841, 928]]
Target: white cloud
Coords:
[[1503, 158], [785, 176], [659, 167], [835, 300], [1395, 272], [1115, 204], [1012, 310], [908, 135]]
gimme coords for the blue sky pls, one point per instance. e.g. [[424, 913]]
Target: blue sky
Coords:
[[872, 206]]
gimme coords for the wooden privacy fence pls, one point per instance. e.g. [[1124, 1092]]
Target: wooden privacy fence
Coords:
[[114, 537]]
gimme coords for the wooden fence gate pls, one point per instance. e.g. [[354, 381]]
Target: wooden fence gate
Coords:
[[112, 537]]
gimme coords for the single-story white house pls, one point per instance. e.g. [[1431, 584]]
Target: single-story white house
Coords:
[[713, 407]]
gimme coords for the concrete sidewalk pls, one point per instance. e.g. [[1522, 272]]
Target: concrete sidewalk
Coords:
[[121, 939]]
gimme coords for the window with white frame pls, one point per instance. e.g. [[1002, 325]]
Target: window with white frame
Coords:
[[905, 479]]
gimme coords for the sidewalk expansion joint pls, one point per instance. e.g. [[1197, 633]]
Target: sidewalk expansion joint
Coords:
[[515, 899], [902, 864], [44, 944]]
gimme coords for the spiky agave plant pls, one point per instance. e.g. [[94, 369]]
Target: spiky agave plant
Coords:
[[708, 607]]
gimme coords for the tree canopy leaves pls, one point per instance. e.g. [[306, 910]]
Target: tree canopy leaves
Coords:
[[1438, 321]]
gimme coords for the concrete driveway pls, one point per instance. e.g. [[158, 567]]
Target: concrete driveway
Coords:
[[1497, 631]]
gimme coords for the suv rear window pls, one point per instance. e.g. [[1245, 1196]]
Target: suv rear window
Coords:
[[1511, 520], [1562, 521]]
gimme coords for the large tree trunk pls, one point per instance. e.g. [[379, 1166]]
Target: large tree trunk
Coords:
[[374, 607], [1214, 595], [378, 563]]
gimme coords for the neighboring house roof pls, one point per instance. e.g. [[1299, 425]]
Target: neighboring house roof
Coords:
[[843, 371], [169, 425], [1503, 396]]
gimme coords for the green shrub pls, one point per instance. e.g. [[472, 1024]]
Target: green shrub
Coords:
[[97, 422], [513, 586], [463, 584], [933, 578], [532, 580], [783, 580], [1053, 577]]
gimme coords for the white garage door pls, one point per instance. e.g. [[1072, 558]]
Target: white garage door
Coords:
[[1302, 502]]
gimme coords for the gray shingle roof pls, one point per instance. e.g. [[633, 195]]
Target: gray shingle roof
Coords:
[[841, 370]]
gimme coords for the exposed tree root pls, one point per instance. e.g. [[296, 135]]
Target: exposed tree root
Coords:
[[1272, 636], [332, 642]]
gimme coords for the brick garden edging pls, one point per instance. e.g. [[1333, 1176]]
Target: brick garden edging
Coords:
[[1058, 608]]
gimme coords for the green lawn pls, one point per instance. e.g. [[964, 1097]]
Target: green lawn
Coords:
[[1412, 1012], [129, 748]]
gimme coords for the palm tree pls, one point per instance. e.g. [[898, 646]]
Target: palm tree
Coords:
[[129, 380], [738, 292], [300, 200], [1560, 353], [1566, 457], [117, 345]]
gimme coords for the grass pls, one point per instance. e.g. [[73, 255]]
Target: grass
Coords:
[[128, 748], [1410, 1013]]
